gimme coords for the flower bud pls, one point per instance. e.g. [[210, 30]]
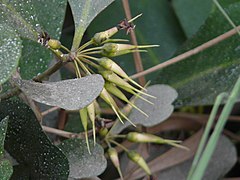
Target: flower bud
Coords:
[[91, 114], [138, 159], [100, 37], [54, 44], [150, 138], [111, 65], [103, 131], [114, 157]]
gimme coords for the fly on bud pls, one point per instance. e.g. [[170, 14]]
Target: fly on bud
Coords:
[[138, 159], [150, 138]]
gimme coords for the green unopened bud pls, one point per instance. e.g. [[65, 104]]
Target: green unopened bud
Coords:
[[103, 132], [114, 157], [114, 49], [111, 65], [100, 37], [84, 119], [150, 138], [138, 159], [91, 114], [54, 44]]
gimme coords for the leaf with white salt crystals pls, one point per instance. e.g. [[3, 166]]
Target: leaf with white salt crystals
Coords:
[[161, 110], [10, 51], [82, 164], [83, 14], [68, 94]]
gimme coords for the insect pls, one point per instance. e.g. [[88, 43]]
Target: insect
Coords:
[[125, 24], [43, 38]]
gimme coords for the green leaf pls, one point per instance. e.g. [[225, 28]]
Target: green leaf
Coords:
[[83, 14], [29, 146], [70, 94], [83, 164], [157, 25], [6, 169], [192, 14], [3, 130], [160, 111], [10, 50], [200, 78], [28, 18]]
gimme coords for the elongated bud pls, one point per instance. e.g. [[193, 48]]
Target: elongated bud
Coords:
[[100, 37], [103, 132], [84, 118], [115, 91], [115, 160], [150, 138], [138, 159], [114, 49], [111, 65], [54, 44], [114, 157], [91, 114]]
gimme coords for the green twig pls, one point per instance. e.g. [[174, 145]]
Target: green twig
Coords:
[[211, 145]]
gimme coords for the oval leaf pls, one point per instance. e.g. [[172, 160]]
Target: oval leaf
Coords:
[[25, 141], [6, 169], [161, 110], [83, 14], [200, 78], [68, 94], [10, 51], [83, 164]]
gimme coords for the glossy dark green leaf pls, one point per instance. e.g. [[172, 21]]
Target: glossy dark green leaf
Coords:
[[83, 164], [70, 94], [192, 14], [10, 51], [200, 78], [6, 169], [157, 25], [83, 14], [28, 18], [29, 146], [160, 111]]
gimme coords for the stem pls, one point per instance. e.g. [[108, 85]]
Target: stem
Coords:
[[89, 62], [77, 70], [82, 65], [119, 145], [48, 72], [12, 92], [89, 57], [226, 16], [93, 52], [136, 55], [90, 49], [188, 53], [85, 45], [66, 49]]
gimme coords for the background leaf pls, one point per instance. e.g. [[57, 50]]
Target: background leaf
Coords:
[[157, 25], [161, 110], [28, 18], [192, 14], [70, 94], [83, 13], [10, 50], [199, 79], [82, 164], [26, 142]]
